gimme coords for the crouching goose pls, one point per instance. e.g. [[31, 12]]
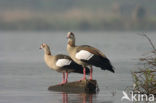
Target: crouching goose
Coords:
[[61, 63], [87, 56]]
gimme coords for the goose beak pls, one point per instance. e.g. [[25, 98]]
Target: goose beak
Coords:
[[68, 35], [41, 46]]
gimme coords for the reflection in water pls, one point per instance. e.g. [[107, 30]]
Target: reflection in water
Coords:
[[86, 97], [64, 98], [80, 98]]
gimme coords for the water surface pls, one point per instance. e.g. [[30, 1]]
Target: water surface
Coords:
[[24, 77]]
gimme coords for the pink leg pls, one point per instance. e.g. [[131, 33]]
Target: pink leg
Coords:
[[66, 77], [91, 71], [84, 74]]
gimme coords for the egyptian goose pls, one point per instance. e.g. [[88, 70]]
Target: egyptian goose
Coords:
[[61, 63], [87, 56]]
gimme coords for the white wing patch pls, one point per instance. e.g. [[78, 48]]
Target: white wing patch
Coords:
[[83, 54], [63, 62]]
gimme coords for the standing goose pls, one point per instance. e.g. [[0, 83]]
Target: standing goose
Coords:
[[87, 56], [61, 63]]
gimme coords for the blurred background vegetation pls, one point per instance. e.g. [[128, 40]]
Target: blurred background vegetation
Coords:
[[78, 15]]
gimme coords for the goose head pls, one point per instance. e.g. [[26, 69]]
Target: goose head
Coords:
[[46, 48], [70, 35], [71, 38]]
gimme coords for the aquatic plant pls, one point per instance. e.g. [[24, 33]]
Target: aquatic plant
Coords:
[[145, 78]]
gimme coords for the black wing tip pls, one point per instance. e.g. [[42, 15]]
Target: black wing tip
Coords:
[[109, 68], [112, 70]]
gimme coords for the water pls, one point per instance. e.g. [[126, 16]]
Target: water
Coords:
[[24, 77]]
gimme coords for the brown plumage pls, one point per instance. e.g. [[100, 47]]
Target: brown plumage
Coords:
[[86, 55], [61, 63], [91, 50]]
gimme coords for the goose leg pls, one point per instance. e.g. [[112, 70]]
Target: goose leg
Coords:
[[84, 74], [66, 77], [91, 72]]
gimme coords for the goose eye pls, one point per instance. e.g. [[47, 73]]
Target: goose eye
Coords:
[[70, 35], [43, 45]]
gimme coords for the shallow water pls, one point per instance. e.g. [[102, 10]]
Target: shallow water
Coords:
[[24, 77]]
